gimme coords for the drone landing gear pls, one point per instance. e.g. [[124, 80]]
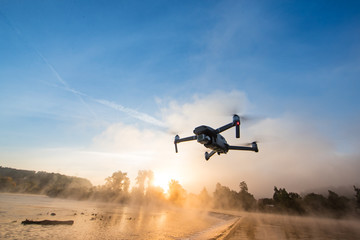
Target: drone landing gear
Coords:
[[209, 155]]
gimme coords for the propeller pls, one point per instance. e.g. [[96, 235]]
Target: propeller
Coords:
[[244, 118], [249, 144]]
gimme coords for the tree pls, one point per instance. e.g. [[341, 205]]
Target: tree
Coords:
[[247, 200], [357, 196], [177, 193], [118, 182], [337, 204], [281, 198], [243, 186], [144, 189], [144, 180], [222, 197], [225, 198], [7, 184], [315, 203], [285, 201], [204, 197], [155, 194]]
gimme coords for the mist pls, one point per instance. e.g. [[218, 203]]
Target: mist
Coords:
[[294, 152]]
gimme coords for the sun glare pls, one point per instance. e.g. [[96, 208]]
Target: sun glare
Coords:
[[162, 180]]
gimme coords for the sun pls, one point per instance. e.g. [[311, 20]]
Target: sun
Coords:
[[162, 180]]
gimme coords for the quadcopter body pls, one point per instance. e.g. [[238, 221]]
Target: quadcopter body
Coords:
[[212, 139]]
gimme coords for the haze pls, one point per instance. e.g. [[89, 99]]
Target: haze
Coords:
[[88, 88]]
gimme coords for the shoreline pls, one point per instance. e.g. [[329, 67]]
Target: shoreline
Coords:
[[94, 220]]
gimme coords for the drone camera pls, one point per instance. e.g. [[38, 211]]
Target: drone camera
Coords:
[[203, 139]]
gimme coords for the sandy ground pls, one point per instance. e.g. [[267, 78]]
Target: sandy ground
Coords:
[[269, 226]]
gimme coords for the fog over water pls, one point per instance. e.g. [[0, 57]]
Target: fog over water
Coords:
[[103, 221], [94, 220]]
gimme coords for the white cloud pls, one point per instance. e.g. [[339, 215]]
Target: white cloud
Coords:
[[292, 151], [293, 154], [211, 109]]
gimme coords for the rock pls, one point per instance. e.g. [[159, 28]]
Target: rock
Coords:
[[48, 222]]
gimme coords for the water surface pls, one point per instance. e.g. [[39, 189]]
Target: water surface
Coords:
[[93, 220]]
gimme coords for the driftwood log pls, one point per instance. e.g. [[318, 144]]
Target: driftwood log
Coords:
[[48, 222]]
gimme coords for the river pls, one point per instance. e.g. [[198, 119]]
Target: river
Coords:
[[94, 220]]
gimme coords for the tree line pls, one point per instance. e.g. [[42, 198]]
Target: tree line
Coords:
[[117, 189], [51, 184]]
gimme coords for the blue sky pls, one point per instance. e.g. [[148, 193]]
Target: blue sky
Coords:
[[71, 70]]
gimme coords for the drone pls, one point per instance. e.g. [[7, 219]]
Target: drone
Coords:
[[211, 138]]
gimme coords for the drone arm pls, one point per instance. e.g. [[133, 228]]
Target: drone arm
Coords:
[[253, 147], [186, 139], [225, 127], [241, 148], [235, 122], [179, 140]]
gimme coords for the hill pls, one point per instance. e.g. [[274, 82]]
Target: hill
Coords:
[[51, 184]]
